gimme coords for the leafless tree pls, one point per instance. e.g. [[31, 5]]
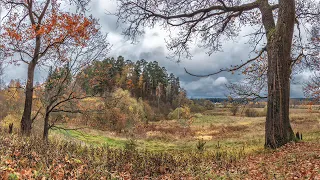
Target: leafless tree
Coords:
[[62, 91], [312, 87], [206, 23]]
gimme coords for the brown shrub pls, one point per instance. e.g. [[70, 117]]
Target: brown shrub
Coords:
[[236, 128], [175, 130], [234, 108], [214, 113], [251, 112]]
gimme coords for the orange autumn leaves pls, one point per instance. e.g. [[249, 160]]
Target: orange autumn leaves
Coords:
[[20, 30], [61, 26], [12, 34], [55, 29]]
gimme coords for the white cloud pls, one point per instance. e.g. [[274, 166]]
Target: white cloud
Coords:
[[220, 81]]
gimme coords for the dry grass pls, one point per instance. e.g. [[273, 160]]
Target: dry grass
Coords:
[[167, 150], [29, 158], [214, 126]]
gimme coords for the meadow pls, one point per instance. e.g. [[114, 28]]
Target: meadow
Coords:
[[216, 127], [210, 145]]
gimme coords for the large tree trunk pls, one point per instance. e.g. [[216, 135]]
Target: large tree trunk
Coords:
[[46, 128], [26, 121], [278, 130]]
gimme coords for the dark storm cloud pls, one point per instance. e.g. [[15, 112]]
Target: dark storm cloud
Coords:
[[151, 47], [200, 64]]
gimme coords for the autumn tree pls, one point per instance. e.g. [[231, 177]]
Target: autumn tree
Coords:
[[34, 32], [97, 77], [62, 90], [147, 80], [275, 41], [137, 78]]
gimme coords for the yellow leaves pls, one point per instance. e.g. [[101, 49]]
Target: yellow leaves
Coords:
[[140, 83], [131, 109], [181, 113]]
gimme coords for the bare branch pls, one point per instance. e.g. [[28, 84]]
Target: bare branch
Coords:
[[224, 8], [37, 113], [229, 69]]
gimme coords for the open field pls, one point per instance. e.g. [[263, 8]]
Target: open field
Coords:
[[232, 148], [216, 127]]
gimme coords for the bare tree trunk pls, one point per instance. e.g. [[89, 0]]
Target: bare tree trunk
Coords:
[[10, 128], [46, 128], [278, 130], [26, 121]]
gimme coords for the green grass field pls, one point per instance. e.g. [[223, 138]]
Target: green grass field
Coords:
[[218, 128]]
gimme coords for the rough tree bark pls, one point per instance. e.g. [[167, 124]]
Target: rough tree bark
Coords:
[[26, 121], [46, 127], [278, 130]]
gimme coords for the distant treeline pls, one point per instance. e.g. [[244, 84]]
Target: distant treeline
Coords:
[[214, 100], [219, 100]]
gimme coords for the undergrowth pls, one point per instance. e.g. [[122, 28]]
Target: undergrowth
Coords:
[[30, 158]]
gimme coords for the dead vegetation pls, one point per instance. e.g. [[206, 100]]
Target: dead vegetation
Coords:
[[206, 146], [30, 159]]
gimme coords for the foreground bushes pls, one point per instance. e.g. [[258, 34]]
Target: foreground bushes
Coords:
[[29, 158]]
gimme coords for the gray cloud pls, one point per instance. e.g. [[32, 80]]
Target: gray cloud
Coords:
[[20, 72], [151, 47], [206, 87]]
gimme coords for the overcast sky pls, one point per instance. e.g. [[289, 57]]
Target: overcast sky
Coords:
[[151, 47]]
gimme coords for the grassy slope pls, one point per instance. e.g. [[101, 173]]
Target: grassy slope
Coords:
[[114, 142], [217, 128]]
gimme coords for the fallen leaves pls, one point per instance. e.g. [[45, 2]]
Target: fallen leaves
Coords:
[[29, 160], [292, 161]]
